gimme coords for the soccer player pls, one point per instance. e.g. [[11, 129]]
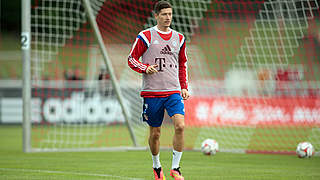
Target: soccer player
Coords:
[[165, 85]]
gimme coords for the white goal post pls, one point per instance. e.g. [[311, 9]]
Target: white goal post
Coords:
[[25, 46], [252, 67], [109, 67], [27, 82]]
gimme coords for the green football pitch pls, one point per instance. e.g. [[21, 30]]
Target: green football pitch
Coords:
[[136, 165]]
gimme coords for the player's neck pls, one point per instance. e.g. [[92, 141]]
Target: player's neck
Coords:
[[163, 29]]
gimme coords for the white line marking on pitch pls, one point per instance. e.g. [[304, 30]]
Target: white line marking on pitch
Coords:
[[72, 173]]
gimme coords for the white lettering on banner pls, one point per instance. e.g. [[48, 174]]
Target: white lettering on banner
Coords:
[[306, 115], [233, 115], [52, 110], [202, 111], [224, 112], [92, 111], [257, 115], [316, 114], [217, 110], [268, 114], [71, 110], [111, 109], [79, 109]]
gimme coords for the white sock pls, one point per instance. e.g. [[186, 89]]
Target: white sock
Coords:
[[156, 161], [176, 156]]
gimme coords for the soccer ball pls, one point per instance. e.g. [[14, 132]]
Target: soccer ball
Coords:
[[209, 147], [305, 150]]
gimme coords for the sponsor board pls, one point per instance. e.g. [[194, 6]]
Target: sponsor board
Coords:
[[204, 111], [75, 109]]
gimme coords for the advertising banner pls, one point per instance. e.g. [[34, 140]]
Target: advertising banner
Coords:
[[211, 111]]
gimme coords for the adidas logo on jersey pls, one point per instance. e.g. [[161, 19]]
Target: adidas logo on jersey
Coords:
[[166, 50]]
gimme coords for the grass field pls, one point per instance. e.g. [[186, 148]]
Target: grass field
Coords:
[[14, 164], [282, 139]]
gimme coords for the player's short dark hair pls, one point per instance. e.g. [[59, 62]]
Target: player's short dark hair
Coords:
[[161, 5]]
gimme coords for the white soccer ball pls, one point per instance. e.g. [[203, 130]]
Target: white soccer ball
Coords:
[[305, 150], [209, 147]]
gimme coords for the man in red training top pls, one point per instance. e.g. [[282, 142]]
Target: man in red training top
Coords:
[[165, 85]]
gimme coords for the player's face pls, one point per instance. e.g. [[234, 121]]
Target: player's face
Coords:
[[164, 18]]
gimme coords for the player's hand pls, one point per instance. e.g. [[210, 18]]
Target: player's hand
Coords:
[[185, 94], [152, 69]]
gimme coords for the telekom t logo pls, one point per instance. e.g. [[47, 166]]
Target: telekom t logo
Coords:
[[161, 63]]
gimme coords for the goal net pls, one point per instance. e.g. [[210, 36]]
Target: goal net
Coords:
[[253, 73]]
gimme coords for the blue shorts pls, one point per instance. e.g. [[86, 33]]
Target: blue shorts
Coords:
[[153, 108]]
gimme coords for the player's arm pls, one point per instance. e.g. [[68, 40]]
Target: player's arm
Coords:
[[140, 46], [136, 52], [183, 79]]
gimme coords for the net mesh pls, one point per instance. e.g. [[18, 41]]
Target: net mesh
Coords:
[[253, 73]]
